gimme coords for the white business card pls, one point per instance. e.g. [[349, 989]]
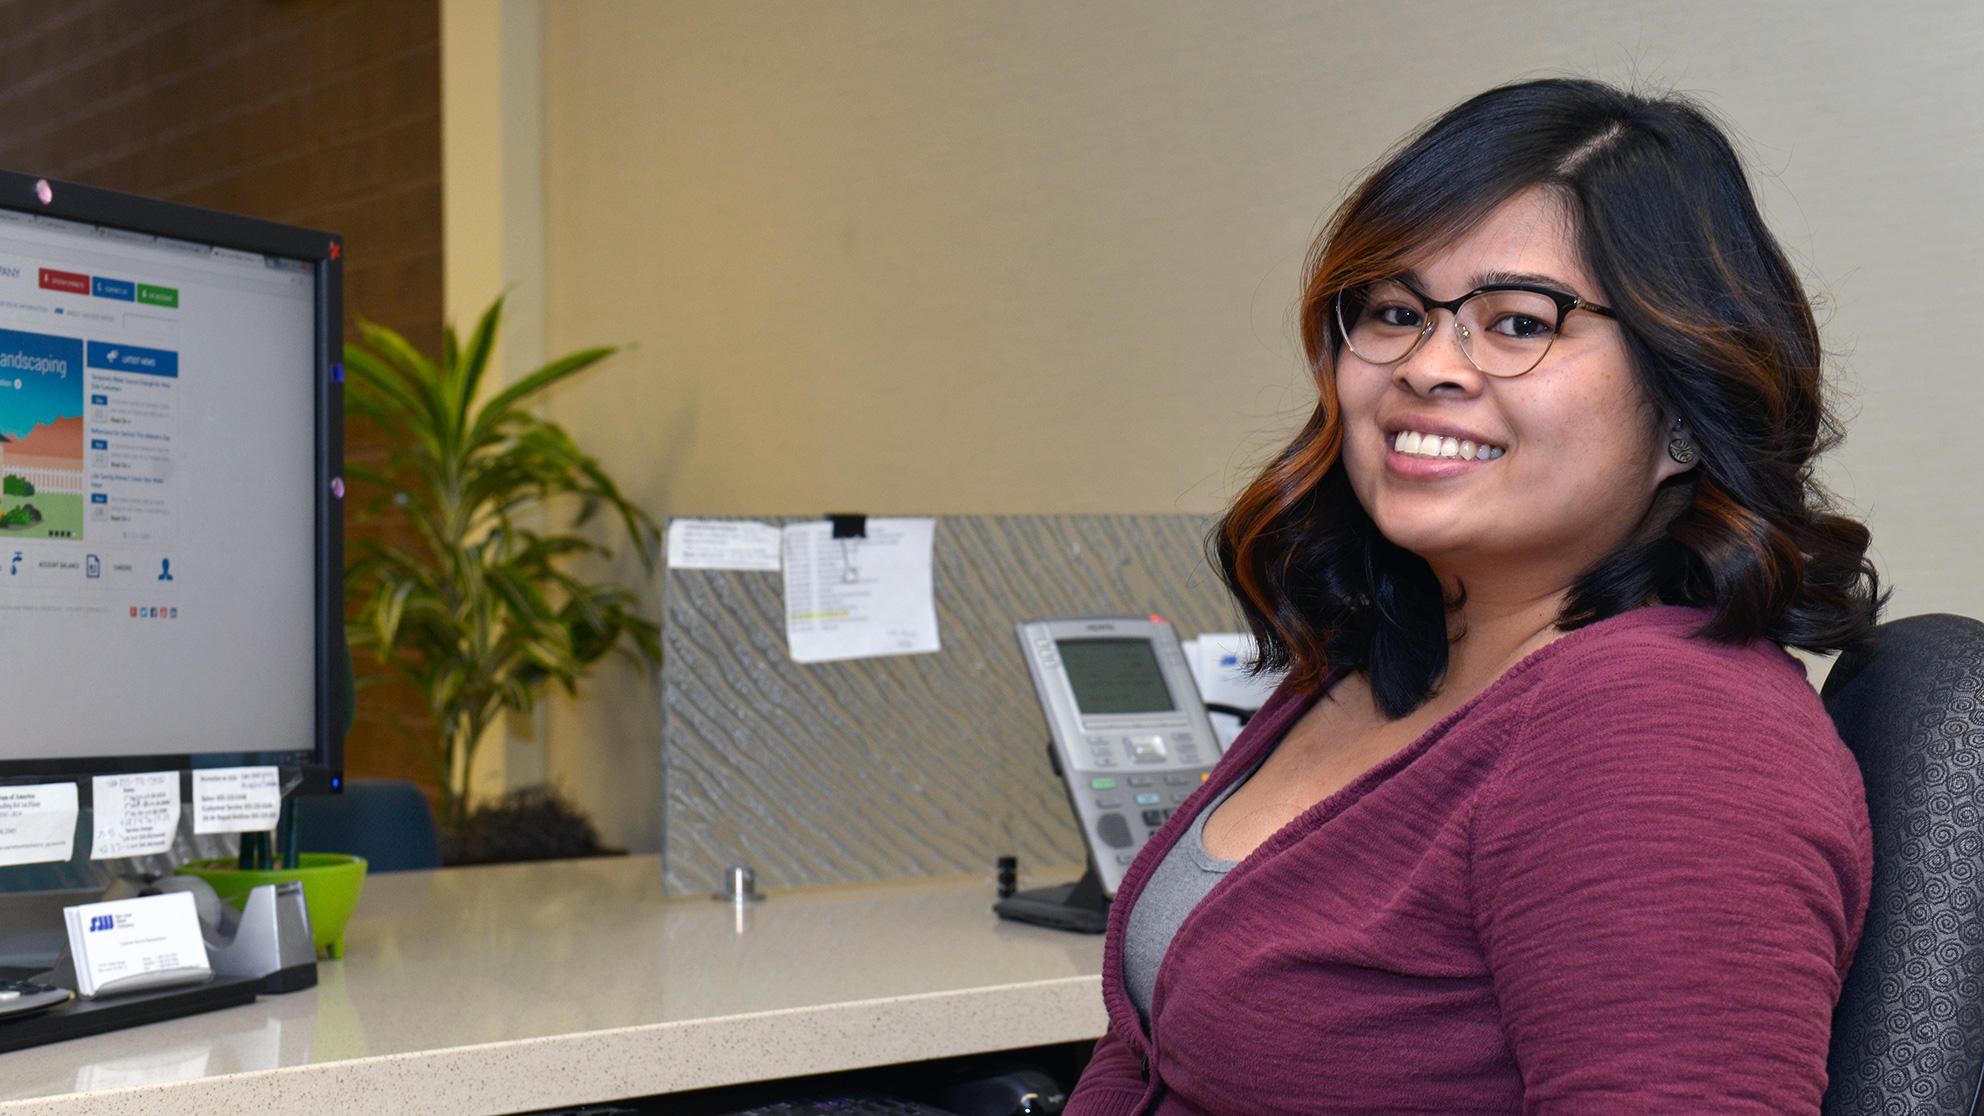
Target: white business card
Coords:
[[236, 799], [127, 944], [37, 823], [133, 815]]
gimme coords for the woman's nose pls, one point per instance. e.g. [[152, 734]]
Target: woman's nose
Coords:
[[1440, 361]]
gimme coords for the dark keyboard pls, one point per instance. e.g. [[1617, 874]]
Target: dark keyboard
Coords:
[[842, 1106]]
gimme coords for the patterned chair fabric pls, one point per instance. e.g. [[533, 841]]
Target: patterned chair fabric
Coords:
[[1908, 1035]]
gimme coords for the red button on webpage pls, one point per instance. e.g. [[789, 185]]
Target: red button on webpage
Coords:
[[53, 280]]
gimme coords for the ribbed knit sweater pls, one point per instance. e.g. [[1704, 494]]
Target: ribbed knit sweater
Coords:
[[1627, 877]]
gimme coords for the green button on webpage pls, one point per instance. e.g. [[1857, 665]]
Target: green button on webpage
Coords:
[[158, 296], [1102, 784]]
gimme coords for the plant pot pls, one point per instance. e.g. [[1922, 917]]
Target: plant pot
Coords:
[[529, 823], [331, 883]]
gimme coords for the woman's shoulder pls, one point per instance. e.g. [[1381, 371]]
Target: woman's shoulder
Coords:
[[1650, 677], [1659, 655], [1640, 730]]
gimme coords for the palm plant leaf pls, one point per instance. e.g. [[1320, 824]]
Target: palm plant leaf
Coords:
[[472, 361], [484, 610], [417, 371], [500, 407]]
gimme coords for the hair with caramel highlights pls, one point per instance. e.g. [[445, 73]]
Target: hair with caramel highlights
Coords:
[[1719, 331]]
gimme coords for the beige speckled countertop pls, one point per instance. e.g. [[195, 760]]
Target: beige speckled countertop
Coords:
[[505, 989]]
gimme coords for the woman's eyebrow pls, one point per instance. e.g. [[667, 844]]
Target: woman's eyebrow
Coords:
[[1533, 278], [1495, 278]]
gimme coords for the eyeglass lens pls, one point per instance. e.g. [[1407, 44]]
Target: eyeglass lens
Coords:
[[1505, 333]]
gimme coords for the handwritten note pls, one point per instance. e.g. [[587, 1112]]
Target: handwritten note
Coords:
[[134, 815]]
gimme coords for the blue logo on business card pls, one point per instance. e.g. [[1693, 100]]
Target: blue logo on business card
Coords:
[[101, 922]]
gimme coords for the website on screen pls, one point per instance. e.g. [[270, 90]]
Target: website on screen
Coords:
[[156, 426]]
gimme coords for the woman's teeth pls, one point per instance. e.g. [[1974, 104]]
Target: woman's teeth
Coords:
[[1414, 444]]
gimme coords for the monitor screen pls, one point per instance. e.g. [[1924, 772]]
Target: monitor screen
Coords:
[[1114, 676], [161, 435]]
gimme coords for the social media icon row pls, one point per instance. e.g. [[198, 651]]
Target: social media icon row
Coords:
[[147, 612], [19, 566]]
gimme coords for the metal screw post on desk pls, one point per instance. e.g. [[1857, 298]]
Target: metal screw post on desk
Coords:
[[740, 889], [740, 885]]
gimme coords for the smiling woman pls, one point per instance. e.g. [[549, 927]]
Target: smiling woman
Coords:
[[1581, 449], [1633, 204], [1543, 818]]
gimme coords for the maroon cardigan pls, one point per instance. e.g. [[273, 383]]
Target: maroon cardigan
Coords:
[[1628, 877]]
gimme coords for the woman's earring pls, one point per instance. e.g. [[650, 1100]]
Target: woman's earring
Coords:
[[1679, 448]]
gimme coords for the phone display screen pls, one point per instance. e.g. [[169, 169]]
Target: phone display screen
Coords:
[[1115, 676]]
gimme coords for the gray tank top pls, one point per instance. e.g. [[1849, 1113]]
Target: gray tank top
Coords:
[[1180, 881]]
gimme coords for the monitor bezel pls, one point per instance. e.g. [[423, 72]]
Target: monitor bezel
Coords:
[[322, 768]]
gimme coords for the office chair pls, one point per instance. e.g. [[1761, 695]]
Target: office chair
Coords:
[[386, 821], [1908, 1034]]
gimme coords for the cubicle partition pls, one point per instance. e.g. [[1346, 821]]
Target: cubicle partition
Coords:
[[902, 766]]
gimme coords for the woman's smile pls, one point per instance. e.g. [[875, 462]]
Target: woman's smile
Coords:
[[1429, 457], [1429, 449]]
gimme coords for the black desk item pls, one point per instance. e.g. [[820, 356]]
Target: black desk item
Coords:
[[843, 1106], [1080, 906], [78, 1018], [1908, 1034]]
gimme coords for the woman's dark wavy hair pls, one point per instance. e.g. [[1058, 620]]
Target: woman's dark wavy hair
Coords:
[[1720, 333]]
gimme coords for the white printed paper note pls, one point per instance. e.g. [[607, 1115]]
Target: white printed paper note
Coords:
[[236, 800], [37, 823], [858, 598], [136, 943], [717, 544], [134, 815]]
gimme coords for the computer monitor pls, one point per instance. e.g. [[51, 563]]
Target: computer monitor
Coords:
[[170, 492]]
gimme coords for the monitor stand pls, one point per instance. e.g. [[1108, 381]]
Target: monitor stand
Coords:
[[1079, 906]]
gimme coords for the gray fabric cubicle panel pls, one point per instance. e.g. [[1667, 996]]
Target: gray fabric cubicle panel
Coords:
[[915, 765]]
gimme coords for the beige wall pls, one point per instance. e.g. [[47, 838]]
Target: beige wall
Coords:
[[493, 229], [1040, 257]]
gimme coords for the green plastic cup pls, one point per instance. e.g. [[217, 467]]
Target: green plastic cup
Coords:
[[331, 883]]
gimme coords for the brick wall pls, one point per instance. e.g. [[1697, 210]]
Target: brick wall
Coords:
[[325, 114]]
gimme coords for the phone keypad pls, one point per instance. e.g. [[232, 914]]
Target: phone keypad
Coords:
[[1152, 799]]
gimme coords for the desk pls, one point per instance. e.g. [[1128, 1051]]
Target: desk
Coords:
[[510, 988]]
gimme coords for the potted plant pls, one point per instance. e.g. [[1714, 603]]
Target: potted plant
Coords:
[[483, 606]]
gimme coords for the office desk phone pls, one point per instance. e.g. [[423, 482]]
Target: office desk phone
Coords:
[[1128, 729]]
